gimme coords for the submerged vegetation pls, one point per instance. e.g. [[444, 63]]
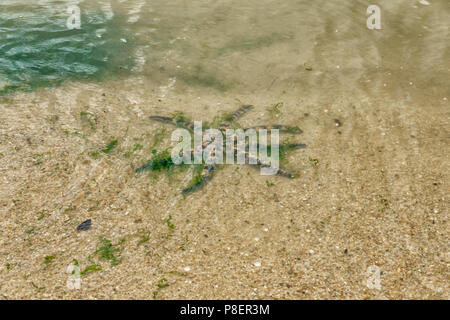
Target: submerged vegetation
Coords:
[[197, 179], [91, 268], [275, 110], [169, 223], [314, 162], [160, 161], [201, 173], [107, 251], [161, 284], [109, 147], [48, 260], [105, 150], [135, 148], [90, 118], [144, 236]]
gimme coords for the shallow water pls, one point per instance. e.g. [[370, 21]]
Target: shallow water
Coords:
[[371, 186], [228, 45]]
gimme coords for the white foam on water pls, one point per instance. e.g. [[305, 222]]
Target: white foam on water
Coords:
[[100, 32]]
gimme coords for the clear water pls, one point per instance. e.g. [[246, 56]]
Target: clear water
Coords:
[[226, 44], [373, 106], [38, 49]]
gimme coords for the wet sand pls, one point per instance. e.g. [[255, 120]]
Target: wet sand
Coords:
[[372, 185]]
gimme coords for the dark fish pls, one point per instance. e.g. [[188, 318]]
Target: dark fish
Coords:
[[209, 169], [84, 226], [236, 115], [178, 122], [284, 173], [162, 119], [282, 128], [156, 165], [147, 166], [291, 146], [240, 112], [280, 172], [205, 176]]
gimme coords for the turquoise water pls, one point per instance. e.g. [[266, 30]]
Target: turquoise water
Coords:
[[38, 49]]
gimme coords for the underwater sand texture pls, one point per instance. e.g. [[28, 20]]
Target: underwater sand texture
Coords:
[[372, 185]]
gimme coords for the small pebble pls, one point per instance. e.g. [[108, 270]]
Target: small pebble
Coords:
[[257, 264], [187, 269], [84, 226]]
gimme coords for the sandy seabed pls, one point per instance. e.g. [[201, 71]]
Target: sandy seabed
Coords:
[[371, 191], [376, 196]]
